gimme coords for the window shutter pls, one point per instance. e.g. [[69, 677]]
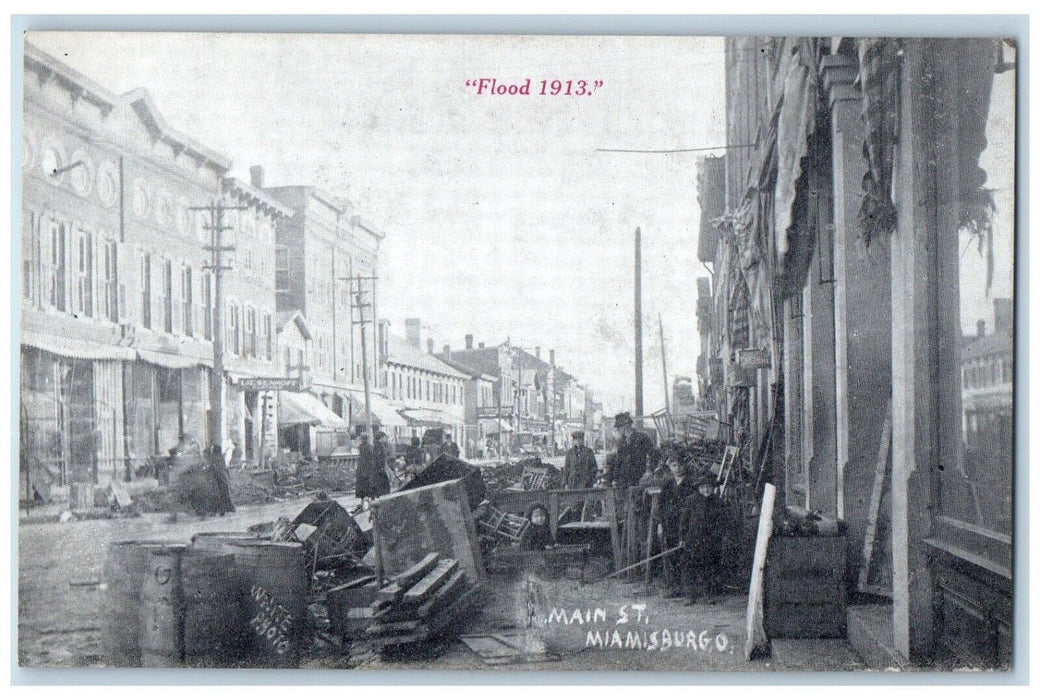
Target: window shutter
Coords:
[[158, 320], [125, 282], [174, 304]]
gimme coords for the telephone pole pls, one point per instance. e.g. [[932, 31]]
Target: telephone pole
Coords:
[[217, 266], [359, 303], [639, 325], [664, 366]]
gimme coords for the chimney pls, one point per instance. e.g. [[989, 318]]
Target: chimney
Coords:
[[413, 331], [481, 346], [469, 341], [382, 328], [980, 327], [256, 176], [447, 351], [1003, 316], [552, 357], [429, 345], [538, 352]]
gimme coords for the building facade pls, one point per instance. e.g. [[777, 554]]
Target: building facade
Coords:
[[324, 253], [841, 297], [115, 346], [426, 391]]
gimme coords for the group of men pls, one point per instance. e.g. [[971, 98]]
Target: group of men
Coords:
[[372, 480], [688, 513]]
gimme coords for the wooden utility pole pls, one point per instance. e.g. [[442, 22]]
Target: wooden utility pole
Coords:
[[639, 325], [216, 248], [664, 367], [360, 304]]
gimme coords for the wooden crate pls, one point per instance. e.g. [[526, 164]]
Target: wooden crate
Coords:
[[805, 588]]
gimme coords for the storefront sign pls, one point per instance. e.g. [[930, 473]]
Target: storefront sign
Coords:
[[754, 358], [269, 383]]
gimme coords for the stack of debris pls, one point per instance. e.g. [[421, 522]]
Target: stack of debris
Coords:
[[497, 527], [499, 477], [421, 603]]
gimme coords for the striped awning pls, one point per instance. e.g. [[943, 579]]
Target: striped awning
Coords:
[[76, 348], [298, 408]]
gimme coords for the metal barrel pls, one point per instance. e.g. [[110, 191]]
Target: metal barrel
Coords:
[[126, 565], [223, 543], [274, 577], [213, 621], [217, 541], [162, 609]]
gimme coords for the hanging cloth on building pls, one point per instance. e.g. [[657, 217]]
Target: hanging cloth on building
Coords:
[[976, 61], [796, 122], [879, 63]]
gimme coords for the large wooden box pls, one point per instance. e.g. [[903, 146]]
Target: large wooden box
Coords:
[[805, 588], [408, 525]]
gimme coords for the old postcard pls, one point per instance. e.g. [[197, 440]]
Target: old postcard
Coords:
[[546, 353]]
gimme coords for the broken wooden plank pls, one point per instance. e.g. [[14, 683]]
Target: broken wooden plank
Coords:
[[877, 492], [417, 572], [756, 633], [391, 593], [451, 614], [442, 597], [447, 593], [429, 584]]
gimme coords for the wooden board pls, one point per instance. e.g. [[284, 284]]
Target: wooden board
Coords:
[[429, 584], [880, 470], [408, 525], [756, 633], [423, 567]]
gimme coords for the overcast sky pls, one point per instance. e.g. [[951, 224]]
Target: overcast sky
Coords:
[[501, 219]]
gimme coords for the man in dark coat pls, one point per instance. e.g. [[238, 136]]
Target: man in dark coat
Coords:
[[450, 446], [372, 481], [635, 454], [413, 456], [579, 466], [702, 525]]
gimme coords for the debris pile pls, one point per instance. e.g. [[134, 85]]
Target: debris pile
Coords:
[[421, 603]]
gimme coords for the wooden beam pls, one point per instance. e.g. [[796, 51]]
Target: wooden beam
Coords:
[[756, 632], [880, 470]]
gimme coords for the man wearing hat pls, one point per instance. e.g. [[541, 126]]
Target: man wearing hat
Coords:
[[635, 453], [702, 525], [372, 481], [579, 466]]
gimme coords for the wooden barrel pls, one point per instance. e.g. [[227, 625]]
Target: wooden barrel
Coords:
[[125, 568], [162, 609], [275, 580], [213, 619]]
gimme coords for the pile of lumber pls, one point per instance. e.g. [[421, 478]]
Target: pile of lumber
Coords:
[[421, 603]]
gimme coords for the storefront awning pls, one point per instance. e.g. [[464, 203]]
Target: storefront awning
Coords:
[[492, 426], [172, 360], [75, 348], [306, 409], [383, 412], [430, 417]]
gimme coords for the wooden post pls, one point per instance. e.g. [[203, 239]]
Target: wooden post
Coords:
[[880, 471], [914, 391], [756, 632]]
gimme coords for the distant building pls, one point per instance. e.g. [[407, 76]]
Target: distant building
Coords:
[[427, 392], [319, 249]]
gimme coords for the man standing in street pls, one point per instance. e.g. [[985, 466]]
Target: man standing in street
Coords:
[[635, 453], [579, 466], [372, 481]]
